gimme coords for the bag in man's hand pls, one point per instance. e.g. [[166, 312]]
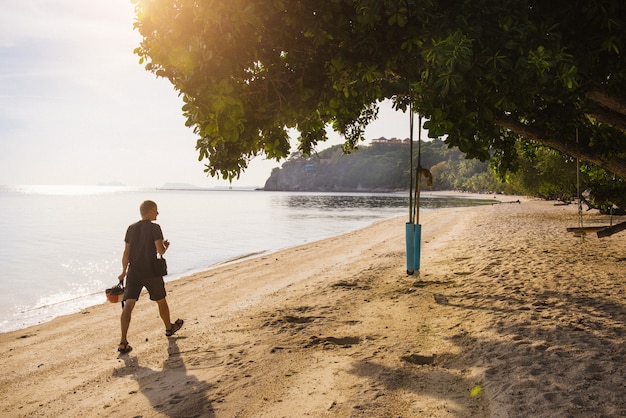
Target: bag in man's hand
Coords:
[[160, 266], [116, 293]]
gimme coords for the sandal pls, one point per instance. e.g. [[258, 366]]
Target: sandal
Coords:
[[124, 347], [175, 327]]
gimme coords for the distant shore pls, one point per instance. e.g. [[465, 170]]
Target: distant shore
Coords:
[[510, 315]]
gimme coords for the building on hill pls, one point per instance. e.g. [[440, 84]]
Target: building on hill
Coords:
[[383, 140]]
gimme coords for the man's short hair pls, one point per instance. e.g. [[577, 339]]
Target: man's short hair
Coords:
[[146, 207]]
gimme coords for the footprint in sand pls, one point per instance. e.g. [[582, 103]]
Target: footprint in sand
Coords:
[[300, 319], [419, 359], [328, 341], [440, 299]]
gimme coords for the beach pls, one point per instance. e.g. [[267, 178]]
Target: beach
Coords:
[[509, 316]]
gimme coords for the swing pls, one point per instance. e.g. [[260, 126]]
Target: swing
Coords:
[[581, 230], [601, 231]]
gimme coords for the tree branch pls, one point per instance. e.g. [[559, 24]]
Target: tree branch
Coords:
[[608, 117], [608, 110], [606, 101], [611, 163]]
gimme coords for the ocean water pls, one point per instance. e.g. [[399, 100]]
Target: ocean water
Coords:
[[61, 246]]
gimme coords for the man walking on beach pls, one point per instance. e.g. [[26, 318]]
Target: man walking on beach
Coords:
[[143, 240]]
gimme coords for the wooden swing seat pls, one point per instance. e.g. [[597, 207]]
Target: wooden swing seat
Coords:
[[601, 231]]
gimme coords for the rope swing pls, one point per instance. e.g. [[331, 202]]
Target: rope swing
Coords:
[[601, 231]]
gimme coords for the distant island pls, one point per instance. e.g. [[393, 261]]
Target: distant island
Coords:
[[383, 166]]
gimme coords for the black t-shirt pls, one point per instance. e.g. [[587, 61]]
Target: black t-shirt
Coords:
[[141, 236]]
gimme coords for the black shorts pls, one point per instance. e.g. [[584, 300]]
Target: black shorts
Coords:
[[154, 285]]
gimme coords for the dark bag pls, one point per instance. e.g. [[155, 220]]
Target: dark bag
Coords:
[[160, 266], [115, 294]]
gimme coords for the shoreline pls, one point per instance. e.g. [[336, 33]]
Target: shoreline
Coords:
[[26, 316], [510, 315]]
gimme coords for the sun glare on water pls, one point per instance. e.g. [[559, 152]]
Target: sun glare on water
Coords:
[[64, 190]]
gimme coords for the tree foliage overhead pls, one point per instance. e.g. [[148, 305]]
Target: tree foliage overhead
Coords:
[[485, 74]]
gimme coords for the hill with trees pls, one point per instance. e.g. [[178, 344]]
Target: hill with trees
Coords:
[[382, 166]]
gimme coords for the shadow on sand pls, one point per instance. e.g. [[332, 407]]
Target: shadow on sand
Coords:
[[171, 391]]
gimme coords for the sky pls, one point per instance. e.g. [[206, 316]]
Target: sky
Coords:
[[77, 108]]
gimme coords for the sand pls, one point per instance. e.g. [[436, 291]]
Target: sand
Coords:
[[510, 316]]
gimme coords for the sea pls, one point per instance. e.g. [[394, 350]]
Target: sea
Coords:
[[61, 246]]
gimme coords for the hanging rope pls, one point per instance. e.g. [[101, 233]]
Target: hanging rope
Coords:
[[411, 208], [580, 201], [418, 172]]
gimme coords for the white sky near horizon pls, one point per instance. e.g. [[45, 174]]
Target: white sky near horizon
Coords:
[[77, 108]]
